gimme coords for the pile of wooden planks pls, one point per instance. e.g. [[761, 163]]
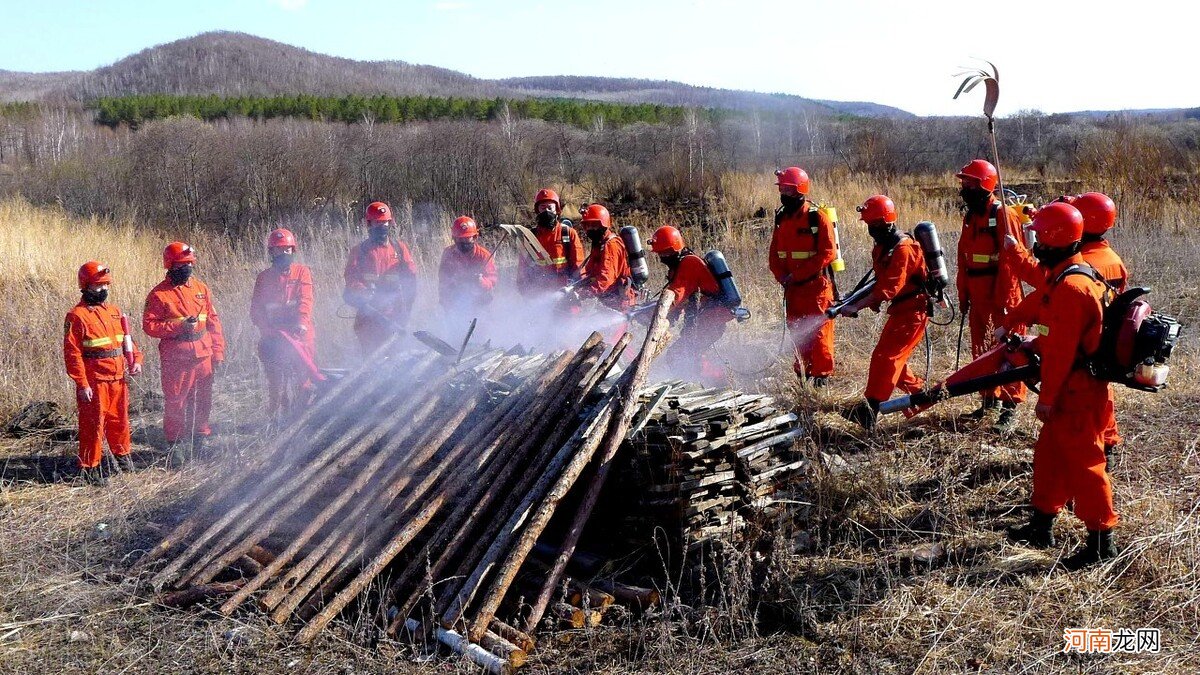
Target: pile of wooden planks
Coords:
[[703, 459], [415, 491]]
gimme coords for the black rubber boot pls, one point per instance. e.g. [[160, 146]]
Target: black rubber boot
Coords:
[[176, 455], [125, 462], [818, 382], [1110, 457], [1038, 532], [1098, 548], [1007, 422], [198, 445], [864, 414], [985, 408], [93, 476]]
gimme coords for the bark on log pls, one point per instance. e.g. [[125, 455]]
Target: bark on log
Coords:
[[197, 594]]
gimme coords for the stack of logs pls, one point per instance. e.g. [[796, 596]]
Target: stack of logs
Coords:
[[703, 458], [415, 491]]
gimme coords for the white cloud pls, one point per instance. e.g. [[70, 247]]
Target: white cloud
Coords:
[[290, 5]]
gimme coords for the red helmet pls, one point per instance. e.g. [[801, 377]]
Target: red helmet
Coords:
[[876, 209], [1099, 212], [594, 217], [281, 238], [547, 195], [982, 171], [464, 227], [793, 176], [93, 272], [666, 239], [1058, 225], [177, 253], [378, 212]]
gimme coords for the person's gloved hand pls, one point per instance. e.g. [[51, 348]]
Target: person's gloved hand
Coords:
[[85, 394], [1010, 242], [135, 369], [1043, 412], [849, 311], [999, 333], [217, 367]]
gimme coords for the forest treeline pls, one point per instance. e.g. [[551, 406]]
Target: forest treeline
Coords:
[[134, 111]]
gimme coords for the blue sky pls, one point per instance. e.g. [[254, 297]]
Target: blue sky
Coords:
[[1053, 56]]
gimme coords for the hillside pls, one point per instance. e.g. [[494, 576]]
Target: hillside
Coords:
[[233, 64]]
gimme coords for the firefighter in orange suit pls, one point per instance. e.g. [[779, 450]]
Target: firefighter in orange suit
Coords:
[[381, 281], [1068, 459], [98, 352], [899, 265], [606, 272], [802, 249], [281, 307], [1099, 215], [988, 287], [561, 242], [466, 275], [697, 299], [191, 345]]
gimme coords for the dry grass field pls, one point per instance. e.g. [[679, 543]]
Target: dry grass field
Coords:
[[896, 561]]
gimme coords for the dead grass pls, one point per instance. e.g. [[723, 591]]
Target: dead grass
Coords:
[[855, 583]]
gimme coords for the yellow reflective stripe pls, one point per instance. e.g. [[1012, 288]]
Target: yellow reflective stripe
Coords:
[[202, 316], [782, 255], [100, 342], [1040, 329], [802, 255], [984, 259]]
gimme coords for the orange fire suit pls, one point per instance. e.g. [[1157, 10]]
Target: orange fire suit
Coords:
[[92, 342], [1068, 459], [704, 318], [381, 283], [899, 275], [988, 284], [1105, 260], [465, 280], [188, 350], [282, 302], [802, 247], [607, 273], [566, 260]]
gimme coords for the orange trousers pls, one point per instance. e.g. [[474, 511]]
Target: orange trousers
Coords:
[[1112, 435], [187, 398], [984, 318], [1068, 459], [284, 372], [106, 416], [691, 356], [889, 361], [812, 334]]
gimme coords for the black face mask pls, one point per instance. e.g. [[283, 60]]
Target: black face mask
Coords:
[[547, 219], [95, 297], [791, 202], [180, 275], [465, 246], [595, 236], [1051, 256], [672, 260], [976, 199], [1092, 238], [377, 235], [884, 235], [282, 261]]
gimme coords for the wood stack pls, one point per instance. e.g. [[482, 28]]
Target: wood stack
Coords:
[[704, 458], [416, 489]]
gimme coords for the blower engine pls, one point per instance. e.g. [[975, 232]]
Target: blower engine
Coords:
[[838, 265], [127, 342], [1135, 343], [638, 268], [726, 287], [937, 277]]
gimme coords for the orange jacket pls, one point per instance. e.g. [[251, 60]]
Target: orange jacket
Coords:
[[167, 309], [800, 252], [282, 300], [984, 275], [1099, 255], [1069, 319], [92, 342], [382, 276], [465, 277], [899, 274], [691, 280], [607, 273], [566, 255]]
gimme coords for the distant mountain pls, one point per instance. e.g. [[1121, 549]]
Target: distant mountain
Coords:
[[232, 64]]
